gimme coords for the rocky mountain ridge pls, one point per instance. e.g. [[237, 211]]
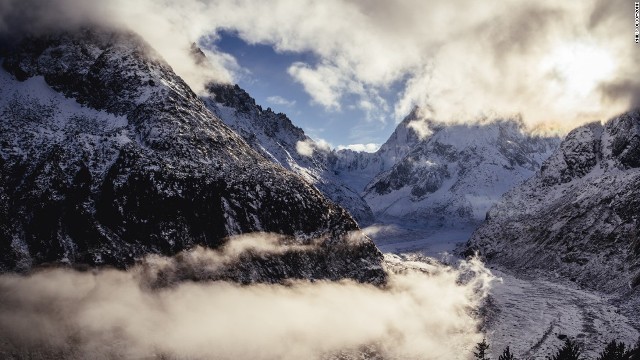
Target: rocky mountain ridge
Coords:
[[358, 169], [106, 155], [428, 172], [275, 136], [452, 175], [578, 216]]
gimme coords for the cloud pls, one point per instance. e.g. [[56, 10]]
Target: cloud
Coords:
[[279, 100], [305, 147], [457, 64], [169, 27], [421, 127], [426, 308], [622, 89], [322, 84], [34, 16], [370, 147], [308, 146], [373, 231], [455, 59]]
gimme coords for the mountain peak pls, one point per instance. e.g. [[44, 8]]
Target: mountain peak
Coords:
[[107, 156], [457, 172]]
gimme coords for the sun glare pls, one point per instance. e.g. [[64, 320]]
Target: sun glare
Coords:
[[578, 67]]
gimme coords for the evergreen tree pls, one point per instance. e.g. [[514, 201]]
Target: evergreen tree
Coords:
[[615, 351], [481, 353], [506, 355], [635, 352], [570, 351]]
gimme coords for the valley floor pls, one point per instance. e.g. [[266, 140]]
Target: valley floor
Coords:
[[529, 314], [437, 242]]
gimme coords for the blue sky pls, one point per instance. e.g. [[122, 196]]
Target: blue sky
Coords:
[[264, 76]]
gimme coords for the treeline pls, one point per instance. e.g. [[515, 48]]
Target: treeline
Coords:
[[571, 350]]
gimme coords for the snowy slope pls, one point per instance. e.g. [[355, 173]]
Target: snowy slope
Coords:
[[358, 168], [532, 314], [453, 175], [106, 155], [578, 216], [274, 136], [448, 175]]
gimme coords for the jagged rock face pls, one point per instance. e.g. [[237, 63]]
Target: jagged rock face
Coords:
[[577, 156], [579, 215], [274, 136], [107, 155], [358, 169], [454, 174]]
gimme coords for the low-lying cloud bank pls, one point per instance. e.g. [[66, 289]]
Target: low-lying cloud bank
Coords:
[[425, 311]]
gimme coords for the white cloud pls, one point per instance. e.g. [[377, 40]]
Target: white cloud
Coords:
[[457, 64], [424, 309], [279, 100], [377, 229], [308, 146], [421, 127], [305, 148], [370, 147], [322, 84]]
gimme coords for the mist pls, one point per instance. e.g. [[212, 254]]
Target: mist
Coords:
[[426, 311]]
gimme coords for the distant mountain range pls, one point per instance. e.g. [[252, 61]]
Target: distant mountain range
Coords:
[[452, 175]]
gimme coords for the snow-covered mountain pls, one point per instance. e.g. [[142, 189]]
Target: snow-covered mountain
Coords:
[[341, 175], [427, 172], [358, 168], [579, 215], [453, 173], [274, 136], [107, 155]]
